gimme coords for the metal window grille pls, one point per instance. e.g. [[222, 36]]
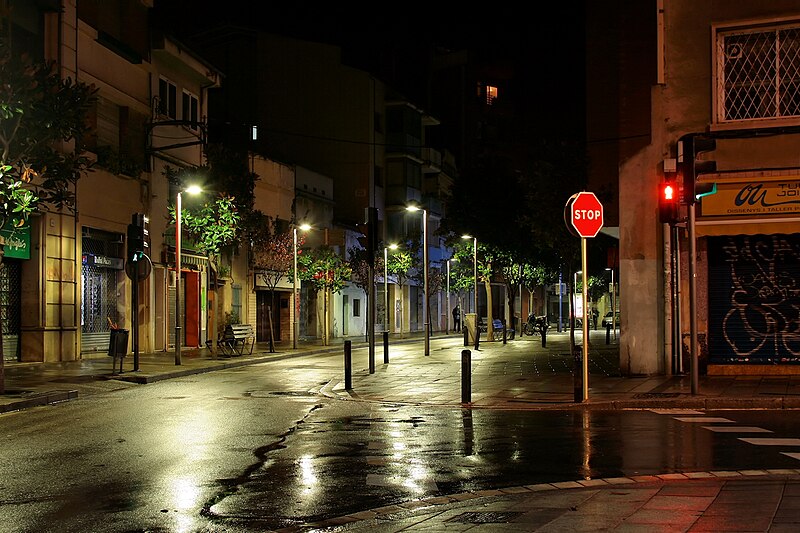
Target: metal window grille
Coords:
[[758, 73], [11, 307], [99, 302]]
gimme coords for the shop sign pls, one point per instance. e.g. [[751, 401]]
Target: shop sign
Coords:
[[103, 261], [754, 198], [17, 243]]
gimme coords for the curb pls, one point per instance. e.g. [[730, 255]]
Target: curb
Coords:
[[39, 399]]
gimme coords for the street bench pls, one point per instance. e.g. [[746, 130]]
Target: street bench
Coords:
[[236, 338]]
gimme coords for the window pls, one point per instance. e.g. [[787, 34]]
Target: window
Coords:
[[167, 98], [491, 94], [190, 109], [236, 303], [758, 73], [356, 307]]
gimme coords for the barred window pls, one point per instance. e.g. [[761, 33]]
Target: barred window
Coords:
[[758, 73]]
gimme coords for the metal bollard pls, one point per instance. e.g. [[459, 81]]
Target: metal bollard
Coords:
[[577, 374], [466, 376], [386, 347], [348, 363], [504, 332], [466, 336], [608, 333], [477, 337], [544, 337]]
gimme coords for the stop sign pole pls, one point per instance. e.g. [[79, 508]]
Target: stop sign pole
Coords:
[[583, 215]]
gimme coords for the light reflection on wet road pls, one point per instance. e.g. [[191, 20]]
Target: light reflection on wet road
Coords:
[[377, 455]]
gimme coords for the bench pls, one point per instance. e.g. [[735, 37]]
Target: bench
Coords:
[[236, 338]]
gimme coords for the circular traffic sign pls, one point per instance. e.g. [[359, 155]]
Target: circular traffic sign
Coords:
[[584, 214]]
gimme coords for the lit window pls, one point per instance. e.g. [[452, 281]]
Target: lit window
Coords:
[[491, 94], [758, 73], [254, 133]]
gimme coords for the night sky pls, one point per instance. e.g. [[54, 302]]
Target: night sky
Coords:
[[544, 42]]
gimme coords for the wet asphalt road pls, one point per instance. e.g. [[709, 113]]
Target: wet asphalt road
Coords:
[[256, 448]]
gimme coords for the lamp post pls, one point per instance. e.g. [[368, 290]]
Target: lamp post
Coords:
[[386, 285], [613, 304], [192, 189], [424, 274], [295, 300], [447, 314], [475, 277]]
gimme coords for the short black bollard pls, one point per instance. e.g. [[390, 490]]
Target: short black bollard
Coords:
[[348, 363], [466, 376], [477, 337], [386, 347], [466, 336], [544, 337], [504, 332], [608, 333]]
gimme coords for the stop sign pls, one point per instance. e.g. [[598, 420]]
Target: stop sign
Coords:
[[584, 214]]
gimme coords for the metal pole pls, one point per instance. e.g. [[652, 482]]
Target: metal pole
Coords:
[[475, 280], [466, 376], [386, 289], [693, 297], [425, 282], [584, 279], [295, 307], [348, 360], [178, 281], [386, 347]]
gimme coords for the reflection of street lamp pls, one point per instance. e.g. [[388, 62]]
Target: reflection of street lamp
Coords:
[[192, 189], [424, 274], [386, 285], [475, 274], [295, 302]]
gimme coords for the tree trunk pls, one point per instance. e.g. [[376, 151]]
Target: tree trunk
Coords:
[[489, 317], [2, 355]]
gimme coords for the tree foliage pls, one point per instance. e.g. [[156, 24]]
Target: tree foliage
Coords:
[[40, 114]]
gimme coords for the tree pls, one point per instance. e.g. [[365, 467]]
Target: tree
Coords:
[[211, 227], [399, 264], [272, 255], [42, 123], [327, 272]]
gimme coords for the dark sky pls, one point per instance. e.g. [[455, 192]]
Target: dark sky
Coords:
[[544, 42]]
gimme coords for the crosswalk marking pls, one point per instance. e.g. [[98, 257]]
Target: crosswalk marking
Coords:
[[793, 455], [770, 442], [736, 429], [676, 412], [702, 419]]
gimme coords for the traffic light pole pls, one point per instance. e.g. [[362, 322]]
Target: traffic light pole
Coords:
[[693, 297]]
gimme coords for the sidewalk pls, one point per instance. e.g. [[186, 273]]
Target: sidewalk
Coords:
[[520, 374]]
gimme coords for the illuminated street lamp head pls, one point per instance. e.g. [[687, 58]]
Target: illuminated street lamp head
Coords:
[[193, 189], [465, 236], [304, 227], [412, 208], [393, 246]]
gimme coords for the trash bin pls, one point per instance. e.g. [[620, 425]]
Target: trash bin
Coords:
[[118, 347]]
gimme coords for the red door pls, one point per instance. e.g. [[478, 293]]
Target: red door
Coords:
[[192, 319]]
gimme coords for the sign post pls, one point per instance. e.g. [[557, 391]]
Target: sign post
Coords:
[[583, 215]]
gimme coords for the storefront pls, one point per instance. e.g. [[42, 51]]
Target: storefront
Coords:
[[103, 282], [752, 232], [16, 249]]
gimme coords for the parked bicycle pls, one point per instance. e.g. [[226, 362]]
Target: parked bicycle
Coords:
[[536, 325]]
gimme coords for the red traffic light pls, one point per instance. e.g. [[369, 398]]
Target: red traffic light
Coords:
[[668, 202], [669, 192]]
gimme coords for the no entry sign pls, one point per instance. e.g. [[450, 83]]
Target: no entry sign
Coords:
[[584, 215]]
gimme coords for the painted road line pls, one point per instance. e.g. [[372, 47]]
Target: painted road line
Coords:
[[736, 429], [793, 455], [702, 419], [771, 442], [676, 412]]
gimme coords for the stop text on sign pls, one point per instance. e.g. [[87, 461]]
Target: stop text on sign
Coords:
[[588, 214]]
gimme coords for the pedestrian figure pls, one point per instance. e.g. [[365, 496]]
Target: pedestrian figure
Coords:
[[595, 316], [456, 319]]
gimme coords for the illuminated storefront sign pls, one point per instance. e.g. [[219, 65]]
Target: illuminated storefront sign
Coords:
[[17, 243], [103, 261], [754, 198]]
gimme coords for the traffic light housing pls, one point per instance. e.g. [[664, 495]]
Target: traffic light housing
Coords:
[[138, 236], [691, 167], [668, 200]]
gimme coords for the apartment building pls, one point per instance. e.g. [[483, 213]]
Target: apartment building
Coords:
[[719, 76]]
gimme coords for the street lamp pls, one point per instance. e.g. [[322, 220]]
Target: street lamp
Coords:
[[475, 276], [192, 189], [448, 296], [295, 301], [386, 285], [424, 274]]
